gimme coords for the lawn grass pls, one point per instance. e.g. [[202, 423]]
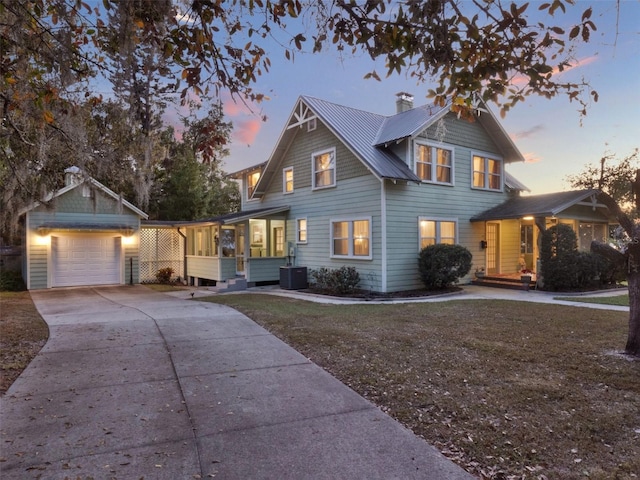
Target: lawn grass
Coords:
[[619, 300], [23, 333], [504, 389]]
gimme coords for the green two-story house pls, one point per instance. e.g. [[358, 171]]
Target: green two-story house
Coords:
[[349, 187]]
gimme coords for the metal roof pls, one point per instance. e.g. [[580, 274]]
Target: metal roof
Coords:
[[226, 219], [359, 130], [368, 134], [513, 183], [408, 124], [546, 205]]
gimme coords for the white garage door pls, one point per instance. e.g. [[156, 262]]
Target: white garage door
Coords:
[[85, 260]]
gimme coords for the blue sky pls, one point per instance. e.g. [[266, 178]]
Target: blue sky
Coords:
[[548, 132]]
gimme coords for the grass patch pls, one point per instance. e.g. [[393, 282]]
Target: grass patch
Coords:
[[23, 333], [618, 300], [503, 390]]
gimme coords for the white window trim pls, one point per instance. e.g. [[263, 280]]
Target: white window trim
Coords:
[[298, 241], [351, 256], [486, 156], [313, 168], [438, 221], [434, 165], [284, 180]]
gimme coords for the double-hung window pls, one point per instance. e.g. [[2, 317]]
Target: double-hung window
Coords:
[[487, 173], [351, 238], [324, 168], [434, 164], [287, 180], [252, 181], [433, 230], [301, 229]]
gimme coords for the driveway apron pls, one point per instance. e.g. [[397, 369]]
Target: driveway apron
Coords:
[[138, 384]]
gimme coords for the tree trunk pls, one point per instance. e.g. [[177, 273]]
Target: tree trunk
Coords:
[[633, 340]]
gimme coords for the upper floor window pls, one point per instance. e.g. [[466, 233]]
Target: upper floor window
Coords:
[[351, 238], [252, 181], [434, 164], [432, 231], [287, 180], [302, 230], [487, 173], [324, 168]]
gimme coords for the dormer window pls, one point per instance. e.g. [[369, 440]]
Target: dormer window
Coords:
[[434, 164], [252, 181]]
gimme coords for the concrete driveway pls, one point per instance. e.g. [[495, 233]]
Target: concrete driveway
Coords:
[[138, 384]]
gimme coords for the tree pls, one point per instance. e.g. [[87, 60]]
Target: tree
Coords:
[[141, 78], [190, 183], [614, 177], [628, 255], [53, 49]]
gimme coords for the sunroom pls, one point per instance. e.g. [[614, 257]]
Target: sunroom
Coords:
[[249, 245]]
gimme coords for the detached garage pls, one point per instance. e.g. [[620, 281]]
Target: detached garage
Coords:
[[84, 235]]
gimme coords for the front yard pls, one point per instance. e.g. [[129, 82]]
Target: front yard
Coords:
[[506, 390]]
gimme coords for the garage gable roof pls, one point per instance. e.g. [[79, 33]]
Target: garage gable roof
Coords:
[[75, 184]]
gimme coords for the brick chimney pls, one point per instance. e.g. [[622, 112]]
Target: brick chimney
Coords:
[[404, 102]]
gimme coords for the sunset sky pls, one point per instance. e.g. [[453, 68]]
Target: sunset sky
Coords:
[[548, 132]]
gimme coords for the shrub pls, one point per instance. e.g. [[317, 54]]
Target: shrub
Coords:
[[341, 280], [11, 281], [164, 275], [442, 265], [610, 273], [563, 267]]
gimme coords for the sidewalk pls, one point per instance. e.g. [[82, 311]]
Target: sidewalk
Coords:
[[138, 384], [468, 292]]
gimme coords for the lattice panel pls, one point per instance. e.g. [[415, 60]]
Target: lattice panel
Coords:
[[160, 248]]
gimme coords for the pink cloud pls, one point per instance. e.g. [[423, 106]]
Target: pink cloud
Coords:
[[245, 131], [519, 79], [531, 157], [234, 107]]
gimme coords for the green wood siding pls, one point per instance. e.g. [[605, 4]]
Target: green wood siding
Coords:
[[299, 157], [461, 132], [264, 269], [205, 267], [509, 246], [38, 268], [356, 195], [98, 203]]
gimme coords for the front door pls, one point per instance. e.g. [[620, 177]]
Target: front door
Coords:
[[240, 249], [493, 248]]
